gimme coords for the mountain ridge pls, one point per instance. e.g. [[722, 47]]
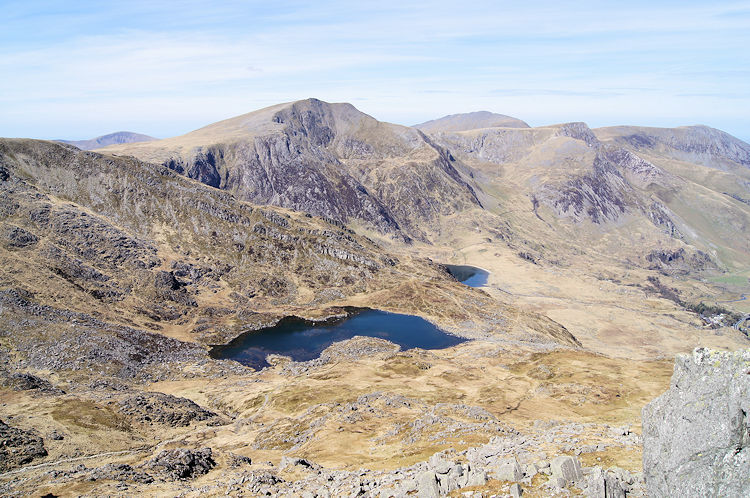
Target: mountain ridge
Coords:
[[470, 121], [335, 161]]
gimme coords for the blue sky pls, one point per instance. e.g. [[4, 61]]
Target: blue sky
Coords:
[[80, 69]]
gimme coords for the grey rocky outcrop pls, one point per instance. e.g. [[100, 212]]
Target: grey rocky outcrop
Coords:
[[23, 381], [119, 472], [18, 447], [696, 436], [567, 468], [182, 463], [612, 483], [508, 469], [164, 409]]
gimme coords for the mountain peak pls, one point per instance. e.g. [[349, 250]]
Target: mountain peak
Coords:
[[470, 121], [118, 137]]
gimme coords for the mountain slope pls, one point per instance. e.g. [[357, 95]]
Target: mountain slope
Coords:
[[118, 137], [606, 190], [696, 144], [141, 244], [711, 193], [470, 121], [326, 159]]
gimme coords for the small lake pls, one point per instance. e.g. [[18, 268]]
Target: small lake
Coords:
[[303, 340], [469, 275]]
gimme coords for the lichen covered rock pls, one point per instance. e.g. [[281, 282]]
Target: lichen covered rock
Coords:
[[696, 436]]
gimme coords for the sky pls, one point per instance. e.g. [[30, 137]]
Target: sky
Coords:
[[79, 69]]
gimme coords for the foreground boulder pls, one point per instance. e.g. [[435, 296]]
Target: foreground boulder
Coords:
[[696, 436]]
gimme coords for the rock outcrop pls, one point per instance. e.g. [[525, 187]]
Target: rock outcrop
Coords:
[[164, 409], [182, 463], [696, 436], [18, 447]]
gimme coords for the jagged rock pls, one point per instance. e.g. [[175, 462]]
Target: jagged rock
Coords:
[[452, 479], [262, 482], [680, 259], [56, 436], [567, 468], [439, 463], [428, 485], [235, 460], [288, 462], [530, 471], [164, 409], [516, 491], [696, 436], [182, 463], [14, 237], [605, 484], [557, 482], [18, 447], [476, 477], [407, 486], [507, 469]]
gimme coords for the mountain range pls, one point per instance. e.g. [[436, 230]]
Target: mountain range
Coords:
[[609, 251], [334, 161]]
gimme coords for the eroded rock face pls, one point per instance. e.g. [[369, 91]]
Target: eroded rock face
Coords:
[[696, 436]]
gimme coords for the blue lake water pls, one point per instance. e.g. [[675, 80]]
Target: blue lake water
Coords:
[[303, 340], [469, 275]]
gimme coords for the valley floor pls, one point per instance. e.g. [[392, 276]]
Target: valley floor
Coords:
[[369, 417]]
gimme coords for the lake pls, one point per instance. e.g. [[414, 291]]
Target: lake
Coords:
[[303, 340], [469, 275]]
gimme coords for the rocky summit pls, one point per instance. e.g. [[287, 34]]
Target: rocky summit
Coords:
[[608, 253]]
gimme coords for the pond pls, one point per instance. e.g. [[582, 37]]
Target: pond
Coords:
[[469, 275], [303, 340]]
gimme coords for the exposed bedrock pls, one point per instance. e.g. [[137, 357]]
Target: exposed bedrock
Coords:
[[696, 436]]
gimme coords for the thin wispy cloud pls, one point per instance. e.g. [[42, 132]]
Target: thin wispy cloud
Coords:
[[164, 68]]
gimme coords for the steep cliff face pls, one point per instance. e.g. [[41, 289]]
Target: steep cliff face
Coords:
[[599, 195], [696, 436], [325, 159]]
